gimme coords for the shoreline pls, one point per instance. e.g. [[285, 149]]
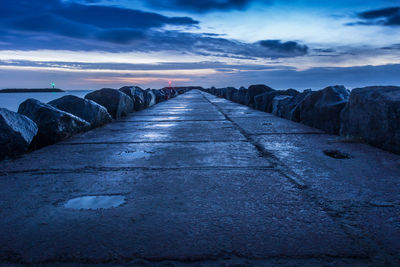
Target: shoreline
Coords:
[[33, 90]]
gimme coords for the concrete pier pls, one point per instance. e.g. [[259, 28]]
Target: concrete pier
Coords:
[[205, 182]]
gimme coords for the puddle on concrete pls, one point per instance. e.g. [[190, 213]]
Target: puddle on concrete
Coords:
[[135, 154], [172, 118], [163, 125], [153, 135], [336, 154], [94, 202]]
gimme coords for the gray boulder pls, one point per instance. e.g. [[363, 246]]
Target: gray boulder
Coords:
[[160, 95], [264, 101], [16, 133], [137, 95], [373, 114], [168, 92], [116, 102], [321, 109], [291, 109], [54, 124], [279, 103], [88, 110], [228, 92], [239, 96], [150, 98], [256, 90]]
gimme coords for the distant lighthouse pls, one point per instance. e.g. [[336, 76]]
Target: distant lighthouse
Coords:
[[169, 84]]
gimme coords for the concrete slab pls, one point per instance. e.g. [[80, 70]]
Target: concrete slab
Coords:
[[177, 112], [192, 197], [272, 125], [370, 174], [381, 223], [146, 155], [161, 132], [169, 215], [143, 118]]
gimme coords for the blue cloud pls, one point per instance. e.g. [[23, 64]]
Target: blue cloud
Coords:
[[386, 17], [289, 48], [200, 6]]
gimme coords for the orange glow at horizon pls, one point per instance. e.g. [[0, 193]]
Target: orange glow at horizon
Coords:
[[136, 80]]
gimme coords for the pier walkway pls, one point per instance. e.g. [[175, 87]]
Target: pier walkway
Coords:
[[201, 181]]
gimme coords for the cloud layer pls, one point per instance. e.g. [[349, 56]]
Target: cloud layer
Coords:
[[63, 25], [389, 16]]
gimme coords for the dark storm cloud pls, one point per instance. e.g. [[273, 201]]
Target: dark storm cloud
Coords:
[[386, 17], [199, 5]]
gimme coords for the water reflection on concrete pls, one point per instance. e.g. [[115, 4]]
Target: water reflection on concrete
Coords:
[[154, 135], [135, 154], [94, 202], [163, 125]]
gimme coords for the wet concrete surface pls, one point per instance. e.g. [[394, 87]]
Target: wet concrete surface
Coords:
[[204, 182]]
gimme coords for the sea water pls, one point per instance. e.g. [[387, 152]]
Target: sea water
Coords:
[[11, 101]]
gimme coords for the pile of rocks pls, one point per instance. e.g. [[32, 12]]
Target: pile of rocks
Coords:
[[38, 124], [370, 114]]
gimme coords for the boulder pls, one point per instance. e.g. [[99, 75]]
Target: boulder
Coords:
[[116, 102], [88, 110], [16, 133], [239, 96], [321, 109], [373, 115], [137, 95], [160, 95], [264, 101], [169, 92], [218, 92], [228, 92], [54, 124], [291, 109], [150, 98], [255, 90], [174, 92], [279, 103]]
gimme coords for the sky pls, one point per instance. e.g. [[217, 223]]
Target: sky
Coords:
[[301, 44]]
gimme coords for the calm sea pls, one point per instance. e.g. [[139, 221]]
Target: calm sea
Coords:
[[11, 101]]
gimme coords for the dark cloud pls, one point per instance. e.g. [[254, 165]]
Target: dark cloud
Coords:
[[386, 17], [55, 24], [380, 13], [72, 19], [51, 24], [392, 47], [120, 36], [115, 17], [200, 5], [289, 48]]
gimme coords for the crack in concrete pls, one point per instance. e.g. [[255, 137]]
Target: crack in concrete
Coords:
[[351, 229], [122, 169], [232, 258], [287, 133], [68, 143]]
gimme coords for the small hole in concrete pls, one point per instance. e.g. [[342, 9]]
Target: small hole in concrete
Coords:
[[94, 202], [336, 154], [267, 124]]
